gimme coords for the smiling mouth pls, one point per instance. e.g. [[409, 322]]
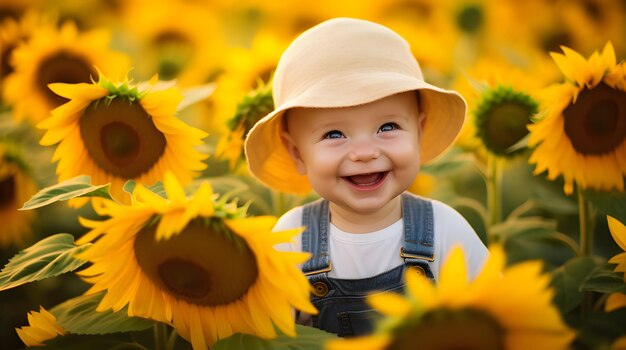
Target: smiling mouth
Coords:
[[367, 181]]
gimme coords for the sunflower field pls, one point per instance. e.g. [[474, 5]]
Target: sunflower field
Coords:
[[129, 220]]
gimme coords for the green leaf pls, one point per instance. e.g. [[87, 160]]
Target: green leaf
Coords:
[[79, 316], [610, 203], [91, 342], [567, 280], [604, 280], [79, 186], [453, 160], [49, 257], [598, 329], [308, 338], [129, 187], [549, 195], [195, 94], [534, 228]]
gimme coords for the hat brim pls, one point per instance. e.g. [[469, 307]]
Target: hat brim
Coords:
[[269, 161]]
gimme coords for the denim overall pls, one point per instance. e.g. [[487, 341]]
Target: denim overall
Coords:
[[341, 302]]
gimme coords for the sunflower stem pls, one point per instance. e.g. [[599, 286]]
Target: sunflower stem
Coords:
[[494, 182], [160, 336], [586, 246], [278, 203], [586, 238], [171, 341]]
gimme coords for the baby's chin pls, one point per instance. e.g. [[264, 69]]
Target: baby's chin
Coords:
[[365, 204]]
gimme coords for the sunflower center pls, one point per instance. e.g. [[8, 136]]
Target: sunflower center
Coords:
[[409, 9], [451, 330], [596, 123], [7, 191], [63, 67], [121, 137], [175, 51], [120, 143], [184, 277], [201, 265], [470, 18], [553, 41], [594, 10], [507, 124], [7, 11]]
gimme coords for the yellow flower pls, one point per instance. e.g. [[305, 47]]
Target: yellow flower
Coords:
[[12, 33], [500, 98], [593, 22], [423, 184], [189, 50], [254, 106], [13, 9], [57, 56], [244, 69], [43, 327], [114, 132], [501, 309], [583, 134], [618, 231], [16, 187], [230, 147], [293, 20], [196, 264], [501, 118]]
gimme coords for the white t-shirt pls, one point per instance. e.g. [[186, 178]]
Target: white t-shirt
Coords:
[[362, 255]]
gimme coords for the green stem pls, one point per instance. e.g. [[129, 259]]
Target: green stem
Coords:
[[160, 336], [278, 203], [586, 237], [494, 182], [171, 341], [586, 246]]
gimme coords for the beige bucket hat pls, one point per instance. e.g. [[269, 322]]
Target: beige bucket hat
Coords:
[[346, 62]]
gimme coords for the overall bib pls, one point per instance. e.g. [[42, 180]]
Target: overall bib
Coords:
[[341, 302]]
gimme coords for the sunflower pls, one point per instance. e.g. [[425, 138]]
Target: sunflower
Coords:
[[501, 118], [14, 9], [43, 327], [114, 132], [423, 184], [16, 187], [254, 106], [12, 33], [593, 22], [195, 263], [243, 69], [189, 50], [499, 91], [583, 134], [292, 20], [618, 231], [51, 56], [501, 309]]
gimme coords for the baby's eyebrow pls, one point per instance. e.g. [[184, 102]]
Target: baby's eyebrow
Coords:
[[396, 116]]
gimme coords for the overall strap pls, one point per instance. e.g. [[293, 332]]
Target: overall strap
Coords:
[[418, 248], [316, 220]]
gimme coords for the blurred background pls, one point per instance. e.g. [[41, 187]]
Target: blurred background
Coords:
[[466, 45]]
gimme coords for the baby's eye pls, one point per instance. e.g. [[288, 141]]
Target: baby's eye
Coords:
[[334, 134], [388, 127]]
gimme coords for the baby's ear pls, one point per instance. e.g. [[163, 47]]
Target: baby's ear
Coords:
[[293, 151]]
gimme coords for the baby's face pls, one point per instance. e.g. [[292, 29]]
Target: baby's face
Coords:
[[358, 157]]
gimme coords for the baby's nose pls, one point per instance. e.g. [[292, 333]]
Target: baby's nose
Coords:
[[363, 151]]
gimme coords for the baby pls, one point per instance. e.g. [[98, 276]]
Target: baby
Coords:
[[354, 119]]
